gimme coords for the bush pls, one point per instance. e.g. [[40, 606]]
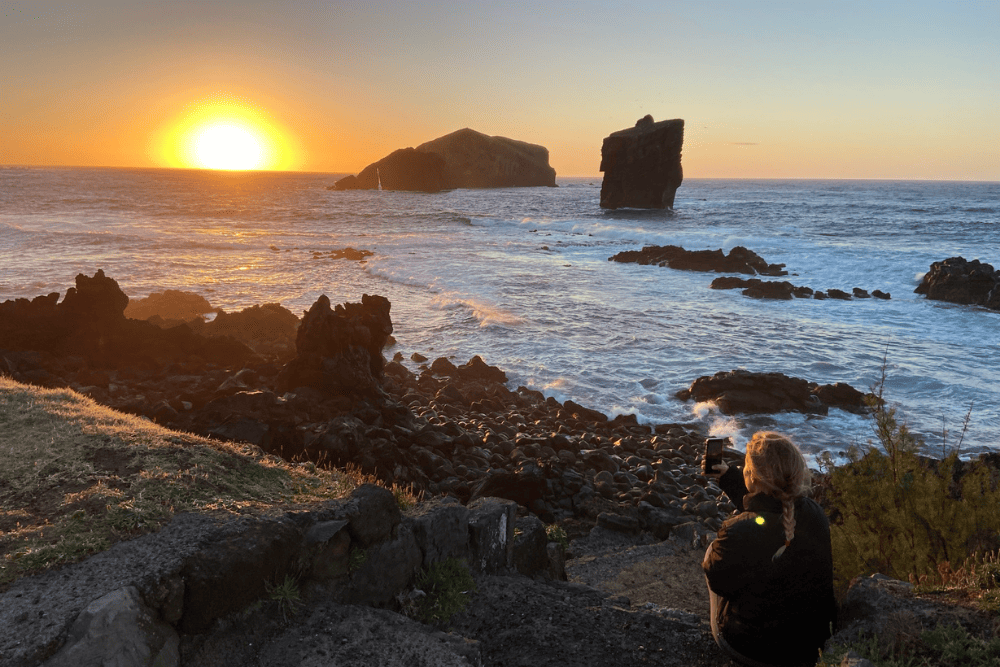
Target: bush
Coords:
[[447, 587], [896, 512]]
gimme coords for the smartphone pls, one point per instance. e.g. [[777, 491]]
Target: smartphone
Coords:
[[713, 453]]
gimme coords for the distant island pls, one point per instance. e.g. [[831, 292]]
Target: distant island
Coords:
[[462, 159]]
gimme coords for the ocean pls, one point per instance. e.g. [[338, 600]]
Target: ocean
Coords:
[[522, 278]]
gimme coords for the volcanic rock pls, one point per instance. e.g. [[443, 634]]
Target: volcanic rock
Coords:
[[739, 260], [170, 304], [339, 351], [742, 391], [642, 165], [462, 159], [962, 281], [475, 160]]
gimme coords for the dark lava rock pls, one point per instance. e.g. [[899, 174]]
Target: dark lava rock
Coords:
[[742, 391], [339, 351], [170, 304], [642, 165], [462, 159], [739, 260], [962, 281]]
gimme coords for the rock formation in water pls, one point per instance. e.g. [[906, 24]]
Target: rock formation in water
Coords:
[[739, 260], [961, 281], [462, 159], [745, 392], [642, 165]]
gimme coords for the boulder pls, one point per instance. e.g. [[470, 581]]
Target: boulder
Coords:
[[462, 159], [962, 281], [745, 392], [339, 351], [739, 260], [642, 165]]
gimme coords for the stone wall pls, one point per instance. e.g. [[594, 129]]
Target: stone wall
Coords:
[[133, 602]]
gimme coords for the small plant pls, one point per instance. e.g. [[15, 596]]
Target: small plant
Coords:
[[286, 594], [356, 559], [555, 533], [447, 586]]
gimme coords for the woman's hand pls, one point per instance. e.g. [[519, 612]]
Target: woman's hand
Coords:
[[718, 470]]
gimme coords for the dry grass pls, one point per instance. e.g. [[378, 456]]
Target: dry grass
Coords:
[[76, 477]]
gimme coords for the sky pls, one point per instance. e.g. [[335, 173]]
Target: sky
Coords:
[[804, 89]]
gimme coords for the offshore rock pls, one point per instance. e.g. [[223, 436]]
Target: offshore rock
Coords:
[[962, 281], [739, 260], [404, 169], [339, 351], [170, 304], [642, 165], [462, 159], [745, 392]]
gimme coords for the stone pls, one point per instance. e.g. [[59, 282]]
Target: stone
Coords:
[[962, 281], [491, 535], [339, 351], [388, 567], [403, 169], [441, 528], [463, 159], [118, 630], [530, 540], [642, 165], [745, 392], [475, 160], [170, 304], [739, 260], [373, 514]]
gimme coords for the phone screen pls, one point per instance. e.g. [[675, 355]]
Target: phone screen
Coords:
[[713, 453]]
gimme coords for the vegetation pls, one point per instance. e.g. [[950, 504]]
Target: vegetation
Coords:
[[447, 587], [556, 533], [932, 522], [286, 594], [896, 512], [76, 477]]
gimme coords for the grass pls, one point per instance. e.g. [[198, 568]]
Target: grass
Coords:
[[77, 477]]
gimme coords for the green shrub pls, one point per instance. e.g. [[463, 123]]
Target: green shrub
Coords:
[[945, 646], [901, 514], [555, 533], [447, 586]]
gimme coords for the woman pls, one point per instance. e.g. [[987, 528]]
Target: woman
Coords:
[[770, 570]]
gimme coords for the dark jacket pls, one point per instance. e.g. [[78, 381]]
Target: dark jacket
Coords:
[[775, 611]]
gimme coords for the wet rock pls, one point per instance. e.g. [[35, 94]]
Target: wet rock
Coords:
[[642, 165], [741, 391], [739, 260], [962, 281]]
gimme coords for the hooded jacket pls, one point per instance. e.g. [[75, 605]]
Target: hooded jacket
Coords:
[[778, 611]]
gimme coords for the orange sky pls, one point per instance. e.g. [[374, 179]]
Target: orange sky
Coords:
[[767, 89]]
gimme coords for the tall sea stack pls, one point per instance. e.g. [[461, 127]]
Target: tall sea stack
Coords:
[[642, 165]]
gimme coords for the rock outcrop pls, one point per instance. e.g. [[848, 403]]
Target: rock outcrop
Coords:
[[962, 281], [339, 351], [739, 260], [745, 392], [462, 159], [642, 165], [756, 288]]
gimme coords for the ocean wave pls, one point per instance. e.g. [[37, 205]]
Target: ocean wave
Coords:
[[488, 314]]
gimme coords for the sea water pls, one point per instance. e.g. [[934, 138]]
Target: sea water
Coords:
[[522, 278]]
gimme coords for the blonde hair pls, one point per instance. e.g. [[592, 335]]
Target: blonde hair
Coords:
[[775, 466]]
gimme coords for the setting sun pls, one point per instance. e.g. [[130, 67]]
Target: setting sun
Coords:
[[225, 134], [227, 146]]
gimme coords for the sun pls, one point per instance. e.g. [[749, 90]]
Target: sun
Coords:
[[225, 133], [227, 146]]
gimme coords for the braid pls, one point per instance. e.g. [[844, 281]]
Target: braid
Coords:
[[788, 521]]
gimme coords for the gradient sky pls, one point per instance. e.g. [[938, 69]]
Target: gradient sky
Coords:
[[805, 89]]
